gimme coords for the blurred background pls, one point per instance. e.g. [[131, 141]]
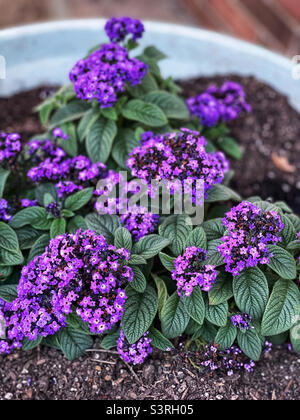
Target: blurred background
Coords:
[[272, 23]]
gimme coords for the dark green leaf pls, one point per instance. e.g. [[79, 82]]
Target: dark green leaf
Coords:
[[8, 238], [39, 246], [173, 106], [226, 335], [105, 225], [282, 308], [58, 227], [167, 261], [197, 238], [139, 282], [214, 229], [216, 314], [250, 344], [176, 229], [159, 340], [148, 114], [230, 147], [30, 345], [100, 140], [221, 193], [282, 263], [251, 292], [76, 223], [78, 200], [110, 341], [148, 85], [3, 178], [194, 305], [8, 292], [139, 312], [154, 53], [214, 257], [222, 290], [70, 112], [162, 293], [149, 246], [174, 318], [73, 343], [123, 239], [124, 144], [87, 122]]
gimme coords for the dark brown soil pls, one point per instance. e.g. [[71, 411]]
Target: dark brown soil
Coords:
[[273, 127], [268, 134], [46, 374]]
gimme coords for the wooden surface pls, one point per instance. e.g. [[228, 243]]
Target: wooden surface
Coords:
[[272, 23]]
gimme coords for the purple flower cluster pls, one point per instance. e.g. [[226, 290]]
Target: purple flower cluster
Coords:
[[134, 353], [242, 321], [229, 361], [79, 273], [6, 211], [190, 272], [10, 147], [250, 230], [25, 202], [219, 104], [139, 222], [105, 73], [179, 160], [70, 174], [54, 209], [117, 29]]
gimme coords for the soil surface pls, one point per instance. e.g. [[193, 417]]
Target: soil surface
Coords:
[[270, 138], [268, 134], [44, 374]]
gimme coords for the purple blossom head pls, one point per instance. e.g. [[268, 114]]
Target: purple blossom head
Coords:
[[178, 160], [191, 271], [10, 148], [104, 74], [118, 29], [59, 134], [70, 174], [206, 107], [6, 211], [54, 209], [134, 353], [250, 231], [219, 104], [139, 222], [78, 272], [25, 202], [242, 321]]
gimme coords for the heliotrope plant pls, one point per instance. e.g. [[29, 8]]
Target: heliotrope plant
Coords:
[[74, 265]]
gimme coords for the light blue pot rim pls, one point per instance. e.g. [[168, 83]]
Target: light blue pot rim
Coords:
[[44, 53]]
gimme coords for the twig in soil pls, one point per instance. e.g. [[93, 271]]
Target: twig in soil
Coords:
[[101, 351], [104, 361], [133, 373], [184, 394]]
